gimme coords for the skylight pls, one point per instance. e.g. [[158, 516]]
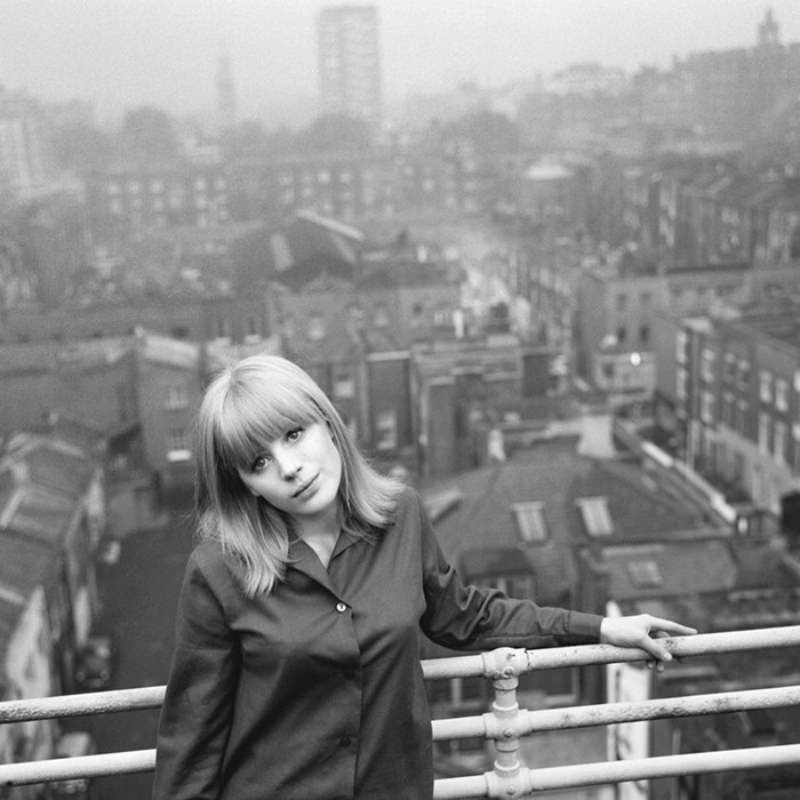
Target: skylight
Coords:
[[645, 573]]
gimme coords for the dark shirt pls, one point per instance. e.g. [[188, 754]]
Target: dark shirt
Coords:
[[315, 690]]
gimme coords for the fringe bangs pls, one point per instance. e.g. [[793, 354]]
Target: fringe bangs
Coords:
[[254, 415]]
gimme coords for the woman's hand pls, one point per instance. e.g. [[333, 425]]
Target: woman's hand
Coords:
[[642, 631]]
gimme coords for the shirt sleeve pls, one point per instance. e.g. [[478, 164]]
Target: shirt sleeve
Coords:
[[465, 617], [196, 715]]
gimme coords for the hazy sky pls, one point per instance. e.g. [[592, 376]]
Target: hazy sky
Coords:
[[121, 53]]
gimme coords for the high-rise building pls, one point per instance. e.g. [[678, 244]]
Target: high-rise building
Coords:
[[25, 156], [349, 61], [226, 93]]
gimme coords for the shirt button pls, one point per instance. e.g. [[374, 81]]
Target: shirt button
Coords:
[[345, 741], [341, 607]]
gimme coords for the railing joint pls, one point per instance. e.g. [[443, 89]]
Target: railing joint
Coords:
[[505, 662]]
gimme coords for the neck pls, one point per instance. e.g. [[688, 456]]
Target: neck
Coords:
[[327, 524]]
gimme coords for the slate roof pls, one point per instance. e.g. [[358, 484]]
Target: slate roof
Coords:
[[479, 530], [50, 463], [483, 519], [681, 568], [25, 563], [297, 252], [40, 512]]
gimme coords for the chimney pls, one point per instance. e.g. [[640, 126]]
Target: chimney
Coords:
[[596, 440]]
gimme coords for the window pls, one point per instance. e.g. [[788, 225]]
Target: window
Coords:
[[178, 445], [781, 394], [645, 299], [596, 517], [381, 318], [681, 346], [443, 317], [743, 375], [344, 386], [622, 334], [680, 384], [316, 327], [177, 396], [621, 302], [765, 386], [779, 442], [707, 407], [729, 368], [386, 430], [764, 425], [727, 412], [644, 334], [530, 522], [707, 363], [741, 417], [222, 329]]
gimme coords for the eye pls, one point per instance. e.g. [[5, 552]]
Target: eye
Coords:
[[294, 434], [260, 463]]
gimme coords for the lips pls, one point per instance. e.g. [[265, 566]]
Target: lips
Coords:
[[304, 488]]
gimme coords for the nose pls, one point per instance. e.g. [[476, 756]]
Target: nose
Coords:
[[287, 462]]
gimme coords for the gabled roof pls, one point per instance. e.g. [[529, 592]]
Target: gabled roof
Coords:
[[51, 462]]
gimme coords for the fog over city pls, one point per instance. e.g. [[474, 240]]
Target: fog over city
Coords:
[[543, 256], [133, 52]]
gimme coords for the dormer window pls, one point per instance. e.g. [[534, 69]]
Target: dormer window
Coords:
[[530, 522], [595, 515]]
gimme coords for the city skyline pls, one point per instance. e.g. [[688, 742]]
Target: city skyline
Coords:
[[145, 52]]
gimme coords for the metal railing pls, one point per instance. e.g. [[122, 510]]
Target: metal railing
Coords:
[[505, 724]]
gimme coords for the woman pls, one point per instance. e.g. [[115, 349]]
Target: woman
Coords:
[[296, 670]]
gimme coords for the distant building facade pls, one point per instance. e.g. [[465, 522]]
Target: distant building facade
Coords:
[[349, 61]]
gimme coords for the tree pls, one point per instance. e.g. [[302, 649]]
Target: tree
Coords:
[[488, 131], [81, 147], [336, 133], [250, 139], [148, 135]]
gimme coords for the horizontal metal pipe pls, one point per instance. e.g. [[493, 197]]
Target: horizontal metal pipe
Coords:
[[586, 654], [612, 772], [59, 769], [608, 713], [74, 705], [458, 666]]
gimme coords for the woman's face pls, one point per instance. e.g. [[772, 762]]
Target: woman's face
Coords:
[[299, 473]]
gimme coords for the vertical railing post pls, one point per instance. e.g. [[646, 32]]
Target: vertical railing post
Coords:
[[504, 666]]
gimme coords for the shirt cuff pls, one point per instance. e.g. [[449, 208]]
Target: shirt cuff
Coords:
[[585, 626]]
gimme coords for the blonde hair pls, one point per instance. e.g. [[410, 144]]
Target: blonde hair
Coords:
[[246, 405]]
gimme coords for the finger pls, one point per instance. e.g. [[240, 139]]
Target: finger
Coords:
[[668, 626], [657, 651]]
